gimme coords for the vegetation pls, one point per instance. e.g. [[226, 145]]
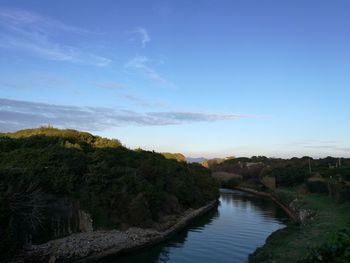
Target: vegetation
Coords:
[[294, 242], [120, 187], [336, 251], [176, 156], [227, 180], [318, 187], [287, 172], [117, 186]]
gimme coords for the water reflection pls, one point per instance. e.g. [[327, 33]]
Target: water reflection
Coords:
[[229, 233], [252, 203]]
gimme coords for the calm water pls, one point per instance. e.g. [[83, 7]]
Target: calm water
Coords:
[[239, 225]]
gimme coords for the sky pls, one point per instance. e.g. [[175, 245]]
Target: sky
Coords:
[[204, 78]]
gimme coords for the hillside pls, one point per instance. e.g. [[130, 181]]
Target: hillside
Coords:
[[285, 172], [175, 156], [55, 182]]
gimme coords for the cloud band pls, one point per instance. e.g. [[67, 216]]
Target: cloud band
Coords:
[[16, 114]]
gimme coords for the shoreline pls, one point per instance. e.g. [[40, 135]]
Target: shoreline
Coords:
[[287, 210], [293, 243], [94, 245]]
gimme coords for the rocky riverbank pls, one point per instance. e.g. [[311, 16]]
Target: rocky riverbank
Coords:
[[293, 209], [90, 246]]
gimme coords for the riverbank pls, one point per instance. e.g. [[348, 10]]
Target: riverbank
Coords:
[[291, 213], [239, 225], [291, 244], [91, 246]]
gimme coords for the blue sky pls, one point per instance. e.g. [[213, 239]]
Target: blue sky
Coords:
[[205, 78]]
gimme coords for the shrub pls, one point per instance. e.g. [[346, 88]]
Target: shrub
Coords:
[[342, 194], [269, 182], [317, 185], [289, 175], [284, 196], [336, 251], [139, 213], [227, 180]]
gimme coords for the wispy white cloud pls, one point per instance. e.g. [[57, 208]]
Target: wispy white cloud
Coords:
[[140, 64], [15, 114], [35, 80], [314, 142], [328, 146], [111, 85], [144, 36], [120, 90], [137, 100], [30, 32], [27, 19]]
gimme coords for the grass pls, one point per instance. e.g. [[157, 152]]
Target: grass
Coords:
[[293, 242]]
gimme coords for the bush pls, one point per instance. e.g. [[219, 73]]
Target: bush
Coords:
[[231, 183], [139, 212], [317, 185], [289, 175], [269, 182], [284, 196], [227, 180], [336, 251], [342, 194]]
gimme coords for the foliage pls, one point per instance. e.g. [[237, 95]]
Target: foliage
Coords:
[[290, 244], [176, 156], [287, 172], [212, 163], [20, 214], [227, 180], [114, 184], [285, 196], [289, 175], [317, 185], [335, 251], [269, 182], [242, 166]]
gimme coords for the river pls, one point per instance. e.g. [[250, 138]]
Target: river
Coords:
[[239, 225]]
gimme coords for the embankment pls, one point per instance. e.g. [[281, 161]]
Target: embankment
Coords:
[[319, 217], [90, 246], [289, 211]]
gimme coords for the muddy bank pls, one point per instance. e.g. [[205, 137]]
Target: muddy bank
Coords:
[[90, 246]]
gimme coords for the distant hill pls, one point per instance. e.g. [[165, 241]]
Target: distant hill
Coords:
[[195, 159]]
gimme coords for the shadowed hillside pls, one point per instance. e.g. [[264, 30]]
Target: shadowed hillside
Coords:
[[54, 182]]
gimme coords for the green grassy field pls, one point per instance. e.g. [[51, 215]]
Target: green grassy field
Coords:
[[294, 242]]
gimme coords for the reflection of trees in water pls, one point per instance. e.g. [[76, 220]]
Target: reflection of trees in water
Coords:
[[162, 251], [253, 202], [179, 239], [164, 255]]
